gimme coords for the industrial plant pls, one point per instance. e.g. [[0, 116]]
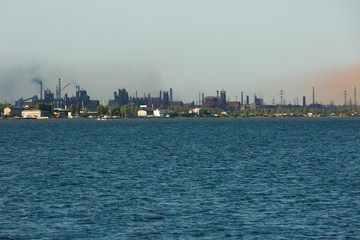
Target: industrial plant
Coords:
[[58, 101], [60, 104], [163, 101]]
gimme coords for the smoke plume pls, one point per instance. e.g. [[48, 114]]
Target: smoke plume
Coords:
[[37, 80]]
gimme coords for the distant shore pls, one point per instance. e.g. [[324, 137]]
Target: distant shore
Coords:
[[179, 117]]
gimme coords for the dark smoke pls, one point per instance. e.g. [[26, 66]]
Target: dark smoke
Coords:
[[37, 80]]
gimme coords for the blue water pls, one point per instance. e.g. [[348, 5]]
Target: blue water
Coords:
[[180, 179]]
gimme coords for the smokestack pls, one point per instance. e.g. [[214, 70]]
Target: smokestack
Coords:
[[313, 95], [345, 95], [56, 96], [38, 80], [203, 100], [355, 101], [242, 98], [59, 88], [171, 95], [60, 93], [217, 93]]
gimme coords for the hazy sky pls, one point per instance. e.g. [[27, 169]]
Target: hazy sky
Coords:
[[256, 46]]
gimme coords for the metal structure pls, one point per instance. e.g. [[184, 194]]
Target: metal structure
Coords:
[[345, 95], [313, 95], [59, 99], [355, 101], [41, 94]]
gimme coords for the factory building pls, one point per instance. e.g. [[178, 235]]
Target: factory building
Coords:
[[48, 97], [164, 100], [13, 111], [176, 104], [57, 101], [31, 102], [220, 102], [83, 99], [120, 99], [216, 102], [232, 106]]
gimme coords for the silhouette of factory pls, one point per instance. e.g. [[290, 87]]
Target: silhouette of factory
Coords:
[[162, 101], [57, 101], [220, 102]]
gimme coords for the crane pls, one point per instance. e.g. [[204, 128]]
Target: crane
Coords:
[[65, 86]]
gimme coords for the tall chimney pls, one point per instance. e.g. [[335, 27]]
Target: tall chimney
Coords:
[[313, 95], [60, 105], [59, 88], [171, 95], [41, 93], [355, 101], [203, 100]]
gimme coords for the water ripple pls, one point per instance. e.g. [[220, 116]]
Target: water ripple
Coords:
[[180, 178]]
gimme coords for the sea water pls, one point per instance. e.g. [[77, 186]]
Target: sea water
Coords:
[[180, 178]]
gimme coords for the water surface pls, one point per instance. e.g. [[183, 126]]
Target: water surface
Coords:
[[180, 179]]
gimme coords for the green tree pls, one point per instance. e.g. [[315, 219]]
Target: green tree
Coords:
[[44, 107], [101, 110], [112, 110], [98, 110], [280, 110], [77, 108], [124, 111], [72, 108], [86, 112]]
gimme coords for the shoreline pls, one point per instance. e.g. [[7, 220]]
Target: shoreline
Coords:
[[182, 117]]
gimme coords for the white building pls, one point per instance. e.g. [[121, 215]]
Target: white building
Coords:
[[197, 111], [162, 113], [34, 114], [142, 113]]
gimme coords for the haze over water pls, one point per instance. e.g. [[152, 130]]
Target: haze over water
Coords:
[[197, 46], [180, 179]]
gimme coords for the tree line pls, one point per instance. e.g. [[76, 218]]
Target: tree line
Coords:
[[125, 111]]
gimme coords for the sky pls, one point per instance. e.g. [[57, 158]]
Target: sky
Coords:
[[256, 47]]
